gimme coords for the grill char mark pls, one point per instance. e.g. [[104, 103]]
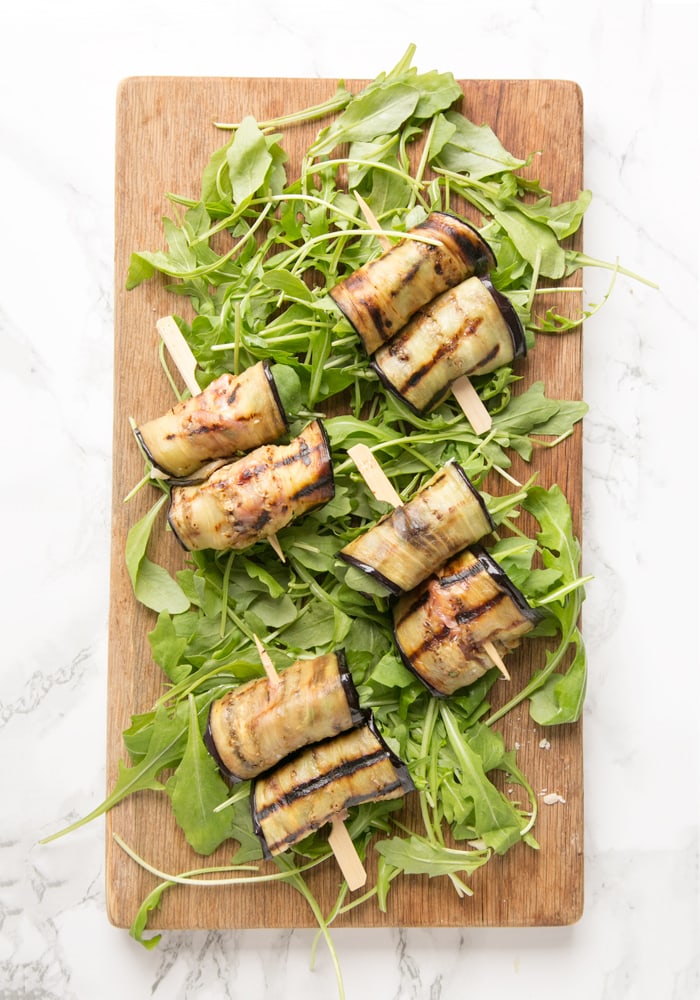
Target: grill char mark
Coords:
[[379, 754], [244, 718], [434, 628], [279, 492]]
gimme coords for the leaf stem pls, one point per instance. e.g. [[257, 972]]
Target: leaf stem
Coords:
[[191, 877], [336, 103], [583, 260]]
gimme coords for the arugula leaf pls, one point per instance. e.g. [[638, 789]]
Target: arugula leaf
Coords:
[[416, 855], [534, 241], [561, 697], [376, 111], [249, 160], [148, 906], [241, 829], [470, 149], [167, 741], [271, 612], [168, 647], [496, 819], [153, 585], [195, 789]]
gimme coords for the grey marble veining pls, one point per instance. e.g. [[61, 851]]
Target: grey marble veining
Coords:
[[637, 65]]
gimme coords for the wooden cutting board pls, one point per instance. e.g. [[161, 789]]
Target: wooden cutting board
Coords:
[[164, 138]]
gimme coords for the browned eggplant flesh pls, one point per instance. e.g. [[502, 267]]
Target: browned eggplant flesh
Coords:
[[254, 497], [444, 516], [253, 727], [233, 414], [471, 329], [322, 782], [441, 626], [381, 296]]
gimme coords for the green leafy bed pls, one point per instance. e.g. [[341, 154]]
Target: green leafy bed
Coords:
[[285, 242]]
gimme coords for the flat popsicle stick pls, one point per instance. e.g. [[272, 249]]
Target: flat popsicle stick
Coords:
[[382, 489], [347, 857], [373, 474], [186, 364], [377, 480], [472, 406], [339, 839], [179, 350], [462, 389]]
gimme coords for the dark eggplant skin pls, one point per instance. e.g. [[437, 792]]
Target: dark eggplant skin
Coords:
[[252, 498], [406, 545], [441, 626], [471, 329], [510, 317], [380, 297], [254, 727], [323, 781], [275, 393], [232, 415]]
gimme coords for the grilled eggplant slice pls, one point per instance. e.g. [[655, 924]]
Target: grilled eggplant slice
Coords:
[[253, 727], [322, 782], [441, 626], [380, 297], [470, 329], [254, 497], [407, 545], [235, 413]]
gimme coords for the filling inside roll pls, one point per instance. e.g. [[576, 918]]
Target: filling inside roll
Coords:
[[441, 626]]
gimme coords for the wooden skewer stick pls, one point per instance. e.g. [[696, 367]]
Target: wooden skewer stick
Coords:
[[462, 389], [179, 350], [472, 406], [339, 839], [381, 487], [272, 676], [186, 363], [495, 656], [373, 474], [344, 850]]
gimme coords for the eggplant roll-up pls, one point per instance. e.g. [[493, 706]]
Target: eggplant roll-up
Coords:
[[255, 726], [441, 626], [322, 782], [381, 296], [404, 547], [254, 497], [235, 413], [470, 329]]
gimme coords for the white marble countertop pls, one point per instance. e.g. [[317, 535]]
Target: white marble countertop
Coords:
[[637, 66]]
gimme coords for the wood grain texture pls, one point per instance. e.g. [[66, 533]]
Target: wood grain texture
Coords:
[[164, 138]]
